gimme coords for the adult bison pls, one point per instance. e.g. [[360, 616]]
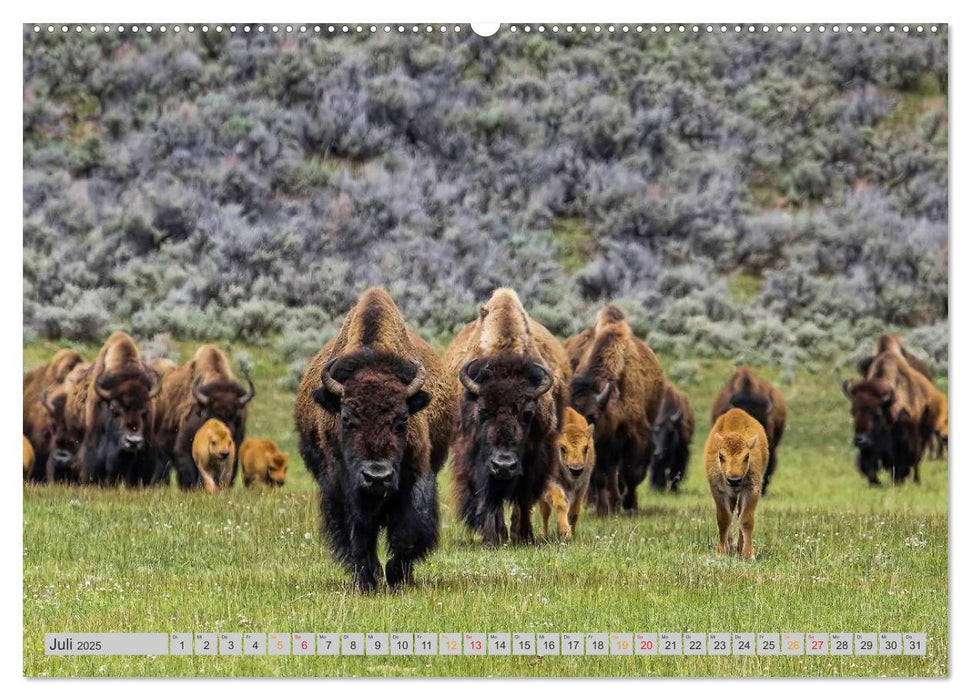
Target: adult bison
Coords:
[[37, 417], [893, 417], [374, 416], [671, 435], [618, 386], [202, 389], [509, 376], [67, 425], [761, 400], [115, 397]]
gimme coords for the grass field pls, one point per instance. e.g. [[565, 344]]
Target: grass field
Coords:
[[833, 555]]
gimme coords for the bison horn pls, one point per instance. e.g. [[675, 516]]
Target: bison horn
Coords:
[[100, 390], [197, 394], [545, 384], [417, 382], [847, 383], [156, 388], [248, 396], [333, 386], [602, 397], [470, 384], [45, 399]]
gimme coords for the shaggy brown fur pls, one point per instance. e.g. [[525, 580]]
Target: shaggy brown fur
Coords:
[[939, 407], [671, 435], [65, 404], [896, 411], [891, 343], [203, 388], [213, 452], [761, 400], [262, 463], [28, 457], [374, 433], [566, 490], [618, 388], [511, 357], [736, 454], [37, 420], [117, 394]]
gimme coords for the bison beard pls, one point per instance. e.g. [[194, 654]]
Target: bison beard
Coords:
[[501, 454], [669, 458], [369, 474]]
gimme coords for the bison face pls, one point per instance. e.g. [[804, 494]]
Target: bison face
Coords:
[[129, 412], [589, 396], [734, 457], [278, 468], [665, 434], [871, 404], [576, 449], [374, 394], [65, 442], [504, 392], [224, 400]]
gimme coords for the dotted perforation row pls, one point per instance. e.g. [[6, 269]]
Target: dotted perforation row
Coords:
[[443, 28]]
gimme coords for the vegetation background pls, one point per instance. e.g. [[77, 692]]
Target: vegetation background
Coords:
[[774, 197], [778, 196]]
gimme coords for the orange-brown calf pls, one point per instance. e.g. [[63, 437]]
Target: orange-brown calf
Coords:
[[736, 455], [214, 454], [567, 487], [263, 463]]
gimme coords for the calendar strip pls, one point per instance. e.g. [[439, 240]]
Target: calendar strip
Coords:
[[487, 644]]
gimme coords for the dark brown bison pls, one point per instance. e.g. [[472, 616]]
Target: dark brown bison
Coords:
[[116, 395], [37, 419], [617, 386], [761, 400], [671, 434], [894, 416], [202, 389], [509, 376], [374, 416]]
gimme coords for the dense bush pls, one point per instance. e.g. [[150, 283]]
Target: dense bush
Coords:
[[781, 197]]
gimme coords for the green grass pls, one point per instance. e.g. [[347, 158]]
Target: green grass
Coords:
[[833, 555], [575, 243]]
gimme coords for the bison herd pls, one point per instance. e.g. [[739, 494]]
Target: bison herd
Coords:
[[122, 419], [526, 419]]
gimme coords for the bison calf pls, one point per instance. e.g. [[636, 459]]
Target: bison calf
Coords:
[[736, 455], [214, 452], [262, 463], [567, 488]]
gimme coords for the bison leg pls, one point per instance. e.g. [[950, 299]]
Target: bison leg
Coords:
[[412, 531], [747, 527], [769, 469], [521, 525], [561, 505], [573, 515], [658, 471], [723, 515], [613, 488], [544, 518]]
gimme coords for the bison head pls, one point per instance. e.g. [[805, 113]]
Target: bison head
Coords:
[[65, 441], [503, 391], [277, 471], [589, 397], [128, 394], [374, 394], [575, 444], [872, 406], [665, 433], [223, 399], [734, 456]]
